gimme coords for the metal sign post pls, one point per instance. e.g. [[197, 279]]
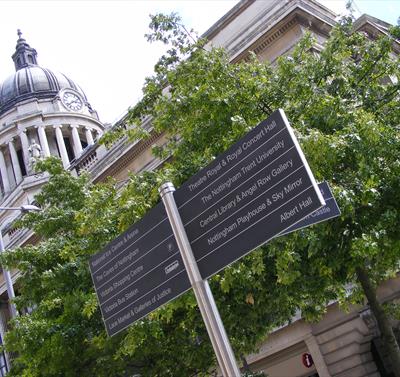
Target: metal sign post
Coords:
[[204, 297]]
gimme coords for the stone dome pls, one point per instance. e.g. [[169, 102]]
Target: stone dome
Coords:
[[30, 80], [33, 82]]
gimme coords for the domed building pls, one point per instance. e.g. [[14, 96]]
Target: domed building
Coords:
[[42, 113]]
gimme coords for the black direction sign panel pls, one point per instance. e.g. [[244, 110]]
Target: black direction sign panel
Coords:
[[259, 187], [138, 271], [328, 211]]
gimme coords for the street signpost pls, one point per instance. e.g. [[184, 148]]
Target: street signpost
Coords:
[[260, 188]]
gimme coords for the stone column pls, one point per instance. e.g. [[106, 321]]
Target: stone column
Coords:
[[4, 174], [15, 162], [25, 147], [61, 146], [43, 141], [317, 356], [89, 136], [76, 140]]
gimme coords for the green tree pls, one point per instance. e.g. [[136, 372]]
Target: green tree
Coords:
[[64, 335], [343, 104]]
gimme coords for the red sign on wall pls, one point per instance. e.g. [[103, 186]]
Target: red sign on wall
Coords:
[[307, 360]]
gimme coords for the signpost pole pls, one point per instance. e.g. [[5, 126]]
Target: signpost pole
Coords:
[[205, 299]]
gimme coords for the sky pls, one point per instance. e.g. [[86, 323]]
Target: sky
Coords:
[[100, 44]]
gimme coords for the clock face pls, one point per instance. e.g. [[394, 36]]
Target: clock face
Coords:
[[71, 101]]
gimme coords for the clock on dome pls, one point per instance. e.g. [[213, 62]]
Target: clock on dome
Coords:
[[71, 100]]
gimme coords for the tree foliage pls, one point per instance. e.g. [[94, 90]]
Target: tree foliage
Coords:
[[343, 105]]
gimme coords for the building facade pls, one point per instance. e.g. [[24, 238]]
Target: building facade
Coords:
[[44, 113]]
